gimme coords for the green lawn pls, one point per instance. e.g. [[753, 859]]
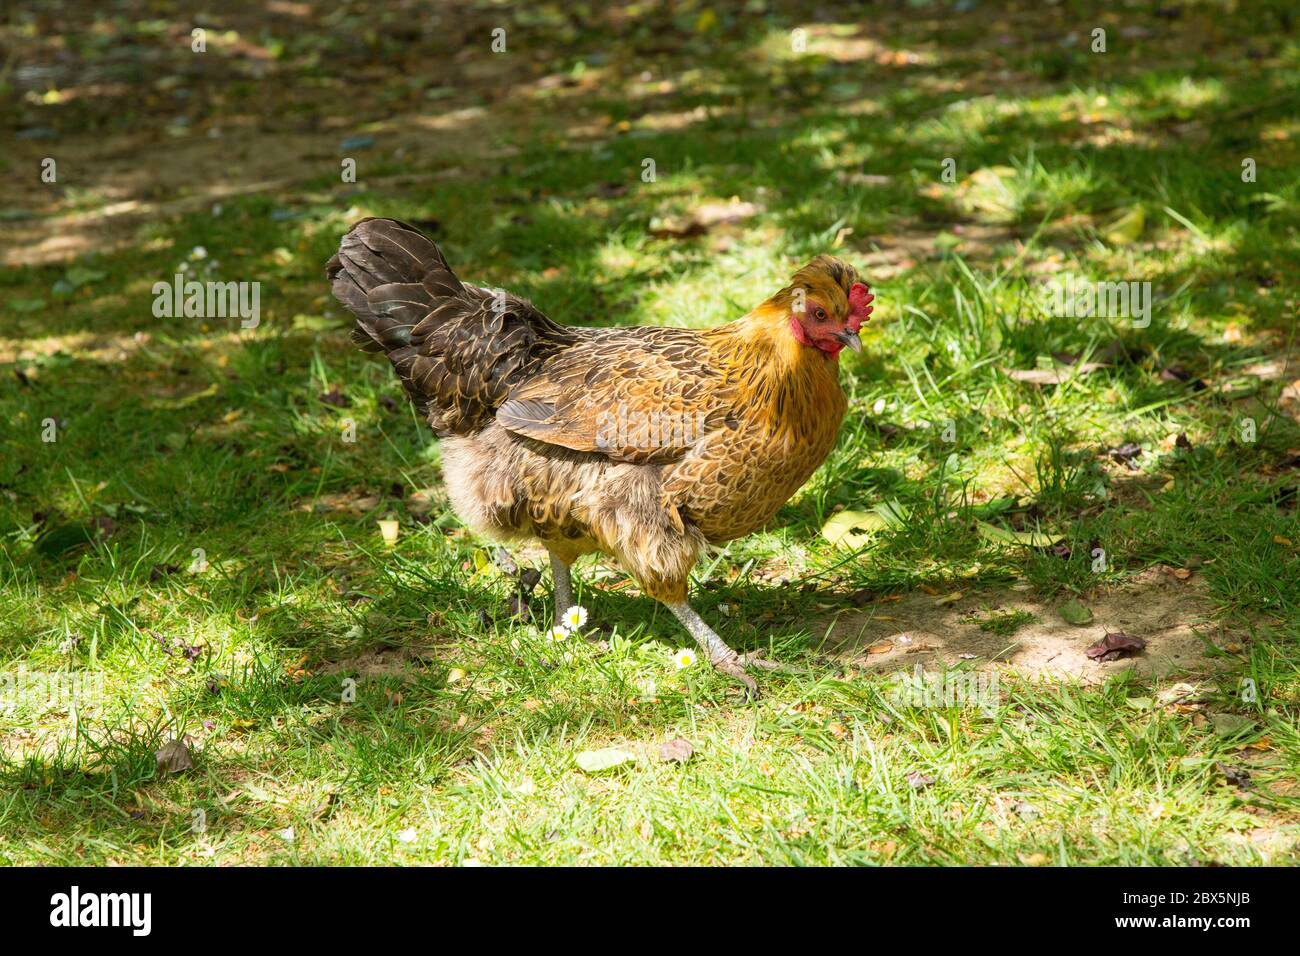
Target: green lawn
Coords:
[[200, 545]]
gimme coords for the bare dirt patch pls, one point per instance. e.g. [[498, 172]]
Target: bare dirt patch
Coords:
[[1172, 616], [399, 662]]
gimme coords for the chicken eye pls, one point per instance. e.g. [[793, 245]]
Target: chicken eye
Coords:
[[820, 315]]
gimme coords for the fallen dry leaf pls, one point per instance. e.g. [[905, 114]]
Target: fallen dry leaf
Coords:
[[1114, 646], [1126, 454], [702, 219], [335, 398], [917, 780], [1239, 777], [1054, 375], [174, 757], [1176, 693], [677, 750]]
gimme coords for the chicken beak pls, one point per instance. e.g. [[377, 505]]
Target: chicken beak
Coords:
[[850, 338]]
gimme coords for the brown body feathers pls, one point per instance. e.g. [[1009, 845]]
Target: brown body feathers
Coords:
[[643, 443]]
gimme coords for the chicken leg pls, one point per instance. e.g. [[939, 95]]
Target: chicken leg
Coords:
[[719, 654], [562, 590]]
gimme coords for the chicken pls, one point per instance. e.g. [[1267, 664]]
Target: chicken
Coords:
[[645, 444]]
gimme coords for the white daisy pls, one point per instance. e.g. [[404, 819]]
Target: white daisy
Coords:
[[559, 633], [684, 658], [575, 617]]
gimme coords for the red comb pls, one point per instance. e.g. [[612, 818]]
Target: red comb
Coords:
[[860, 299]]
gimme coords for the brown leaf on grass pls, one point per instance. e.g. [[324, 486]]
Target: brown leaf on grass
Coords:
[[352, 502], [325, 806], [1176, 694], [676, 751], [917, 780], [884, 647], [1126, 454], [702, 219], [336, 398], [174, 757], [1239, 777], [517, 606], [160, 571], [422, 501], [1114, 646], [1177, 373], [862, 597], [1054, 375], [676, 227]]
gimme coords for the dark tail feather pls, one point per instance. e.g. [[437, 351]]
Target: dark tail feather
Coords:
[[390, 277], [457, 349]]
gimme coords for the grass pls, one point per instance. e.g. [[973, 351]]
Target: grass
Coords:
[[201, 538], [1002, 623]]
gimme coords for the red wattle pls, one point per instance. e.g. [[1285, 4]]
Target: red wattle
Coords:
[[831, 348], [797, 331]]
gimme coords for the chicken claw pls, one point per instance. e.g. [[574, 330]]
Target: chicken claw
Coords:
[[734, 667], [755, 659], [722, 657]]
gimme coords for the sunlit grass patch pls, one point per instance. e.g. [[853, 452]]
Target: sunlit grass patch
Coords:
[[203, 539]]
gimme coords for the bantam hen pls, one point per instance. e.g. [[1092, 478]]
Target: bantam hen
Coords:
[[646, 444]]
